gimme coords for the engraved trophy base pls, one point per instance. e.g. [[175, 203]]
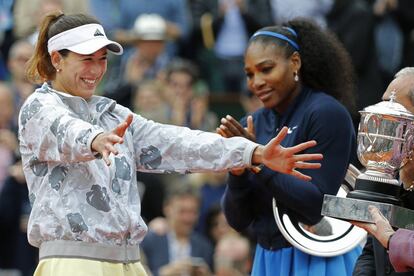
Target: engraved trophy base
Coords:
[[381, 193], [357, 209]]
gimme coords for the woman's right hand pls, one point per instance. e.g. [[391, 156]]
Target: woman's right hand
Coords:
[[230, 127], [104, 143]]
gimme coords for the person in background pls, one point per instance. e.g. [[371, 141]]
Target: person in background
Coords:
[[149, 102], [20, 53], [80, 153], [171, 253], [187, 96], [375, 260], [142, 62], [232, 256], [303, 91], [8, 138], [28, 14]]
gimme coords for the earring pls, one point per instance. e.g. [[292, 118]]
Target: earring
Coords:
[[58, 70], [296, 77]]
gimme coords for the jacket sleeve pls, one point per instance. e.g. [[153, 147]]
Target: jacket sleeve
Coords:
[[52, 133], [237, 202], [401, 251], [336, 144], [168, 148], [365, 264]]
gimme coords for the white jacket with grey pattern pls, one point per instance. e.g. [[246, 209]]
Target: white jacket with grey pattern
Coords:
[[75, 195]]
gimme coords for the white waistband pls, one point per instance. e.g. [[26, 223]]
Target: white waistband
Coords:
[[92, 251]]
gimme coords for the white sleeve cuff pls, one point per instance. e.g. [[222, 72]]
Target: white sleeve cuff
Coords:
[[95, 132], [248, 153]]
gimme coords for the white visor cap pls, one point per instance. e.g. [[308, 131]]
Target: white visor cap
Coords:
[[84, 40]]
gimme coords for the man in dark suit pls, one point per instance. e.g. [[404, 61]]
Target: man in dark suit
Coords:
[[178, 250], [374, 260]]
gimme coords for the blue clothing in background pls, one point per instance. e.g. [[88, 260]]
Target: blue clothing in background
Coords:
[[247, 200], [175, 11], [210, 195], [156, 250]]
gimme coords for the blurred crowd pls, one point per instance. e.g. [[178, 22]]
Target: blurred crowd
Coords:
[[180, 54]]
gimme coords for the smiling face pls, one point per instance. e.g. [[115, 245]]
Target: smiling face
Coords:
[[79, 75], [270, 75]]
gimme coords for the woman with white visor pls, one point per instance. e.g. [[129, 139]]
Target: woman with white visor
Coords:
[[80, 154]]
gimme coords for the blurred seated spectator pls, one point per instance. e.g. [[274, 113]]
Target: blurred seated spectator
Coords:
[[174, 12], [16, 255], [29, 14], [232, 256], [6, 34], [216, 224], [221, 29], [314, 9], [20, 53], [180, 250], [353, 22], [8, 138], [149, 101], [142, 62], [212, 186], [187, 96]]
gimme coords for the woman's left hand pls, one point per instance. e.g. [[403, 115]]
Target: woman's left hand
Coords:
[[286, 160]]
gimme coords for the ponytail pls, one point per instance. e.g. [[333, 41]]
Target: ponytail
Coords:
[[326, 65], [40, 68]]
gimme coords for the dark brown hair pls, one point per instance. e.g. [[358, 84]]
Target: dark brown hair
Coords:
[[326, 65], [39, 67]]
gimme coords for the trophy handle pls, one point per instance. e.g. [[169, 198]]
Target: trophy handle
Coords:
[[372, 139], [408, 146]]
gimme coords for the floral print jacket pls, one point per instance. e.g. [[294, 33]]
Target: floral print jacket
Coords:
[[75, 195]]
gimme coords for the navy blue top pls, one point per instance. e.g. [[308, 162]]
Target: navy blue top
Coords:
[[248, 198]]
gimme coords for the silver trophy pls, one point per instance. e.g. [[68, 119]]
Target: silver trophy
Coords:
[[385, 142]]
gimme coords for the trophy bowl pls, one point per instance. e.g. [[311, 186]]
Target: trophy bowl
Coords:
[[384, 139], [385, 135], [385, 143]]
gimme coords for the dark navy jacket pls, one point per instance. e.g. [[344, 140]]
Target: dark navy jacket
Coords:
[[156, 250], [248, 198]]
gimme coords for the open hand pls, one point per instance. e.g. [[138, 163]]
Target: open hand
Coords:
[[104, 143], [286, 160]]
